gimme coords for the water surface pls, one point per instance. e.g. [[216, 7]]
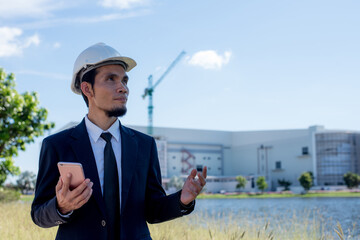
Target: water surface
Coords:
[[282, 211]]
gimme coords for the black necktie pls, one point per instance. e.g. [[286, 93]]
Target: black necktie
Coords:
[[111, 189]]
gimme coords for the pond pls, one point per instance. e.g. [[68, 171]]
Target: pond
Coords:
[[285, 212]]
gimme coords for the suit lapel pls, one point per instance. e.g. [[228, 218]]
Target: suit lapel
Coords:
[[129, 148], [82, 147]]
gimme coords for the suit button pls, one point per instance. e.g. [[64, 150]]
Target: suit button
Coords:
[[103, 223], [58, 222]]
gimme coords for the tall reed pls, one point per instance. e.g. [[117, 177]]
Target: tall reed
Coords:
[[15, 224]]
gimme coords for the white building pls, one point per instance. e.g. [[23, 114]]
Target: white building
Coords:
[[275, 154]]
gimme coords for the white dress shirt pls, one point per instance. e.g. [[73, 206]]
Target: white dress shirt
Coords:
[[98, 145]]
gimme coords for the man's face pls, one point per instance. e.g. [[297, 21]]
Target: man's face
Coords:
[[110, 91]]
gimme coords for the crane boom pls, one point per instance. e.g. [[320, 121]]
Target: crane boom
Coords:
[[172, 65], [150, 90]]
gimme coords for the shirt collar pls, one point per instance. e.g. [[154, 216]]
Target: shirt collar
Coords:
[[94, 131]]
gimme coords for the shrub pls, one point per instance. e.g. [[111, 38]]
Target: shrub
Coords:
[[26, 182], [284, 183], [261, 183], [306, 181], [241, 182], [352, 180], [9, 195]]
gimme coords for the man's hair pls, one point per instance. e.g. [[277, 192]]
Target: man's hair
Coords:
[[90, 78]]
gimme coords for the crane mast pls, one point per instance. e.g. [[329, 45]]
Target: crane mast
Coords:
[[150, 90]]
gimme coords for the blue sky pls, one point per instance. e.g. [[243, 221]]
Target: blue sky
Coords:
[[250, 65]]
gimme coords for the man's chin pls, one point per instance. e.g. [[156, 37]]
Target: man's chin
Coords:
[[118, 112]]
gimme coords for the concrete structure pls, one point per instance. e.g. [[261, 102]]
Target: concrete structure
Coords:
[[275, 154]]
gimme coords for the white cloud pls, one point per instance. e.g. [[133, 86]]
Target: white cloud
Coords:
[[123, 4], [209, 59], [11, 43], [31, 40], [28, 8], [48, 75], [57, 45], [82, 20]]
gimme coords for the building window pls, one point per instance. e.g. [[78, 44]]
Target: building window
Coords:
[[174, 157], [305, 151], [278, 165], [174, 168], [199, 168]]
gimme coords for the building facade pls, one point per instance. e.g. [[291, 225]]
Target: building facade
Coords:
[[336, 153], [274, 154]]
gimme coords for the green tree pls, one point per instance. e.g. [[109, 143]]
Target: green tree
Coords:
[[241, 182], [352, 180], [306, 180], [21, 120], [261, 183], [284, 183], [26, 181], [312, 177]]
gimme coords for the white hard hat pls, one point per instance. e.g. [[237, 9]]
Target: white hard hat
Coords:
[[96, 56]]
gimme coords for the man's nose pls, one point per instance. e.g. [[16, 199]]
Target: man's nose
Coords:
[[122, 88]]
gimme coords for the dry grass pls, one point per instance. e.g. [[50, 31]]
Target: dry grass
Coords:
[[15, 223]]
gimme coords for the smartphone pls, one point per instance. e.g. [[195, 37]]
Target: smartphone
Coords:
[[76, 170]]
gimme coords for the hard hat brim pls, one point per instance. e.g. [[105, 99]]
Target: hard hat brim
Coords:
[[129, 62]]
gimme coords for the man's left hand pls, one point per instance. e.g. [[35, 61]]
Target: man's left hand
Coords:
[[192, 186]]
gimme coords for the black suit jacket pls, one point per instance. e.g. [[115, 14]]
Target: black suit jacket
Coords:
[[142, 196]]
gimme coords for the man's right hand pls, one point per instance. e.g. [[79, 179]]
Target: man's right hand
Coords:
[[69, 200]]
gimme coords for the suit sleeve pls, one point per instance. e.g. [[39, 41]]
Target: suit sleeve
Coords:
[[159, 206], [44, 209]]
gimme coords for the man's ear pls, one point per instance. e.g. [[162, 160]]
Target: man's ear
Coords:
[[87, 90]]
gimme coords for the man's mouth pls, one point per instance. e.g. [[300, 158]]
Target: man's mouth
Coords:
[[121, 99]]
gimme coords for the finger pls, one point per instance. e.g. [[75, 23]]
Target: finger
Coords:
[[79, 189], [66, 182], [204, 173], [85, 200], [201, 179], [87, 190], [58, 185], [83, 195], [192, 174]]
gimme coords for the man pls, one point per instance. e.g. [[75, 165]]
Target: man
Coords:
[[122, 190]]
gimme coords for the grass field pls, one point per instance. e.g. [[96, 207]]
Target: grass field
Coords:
[[15, 223]]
